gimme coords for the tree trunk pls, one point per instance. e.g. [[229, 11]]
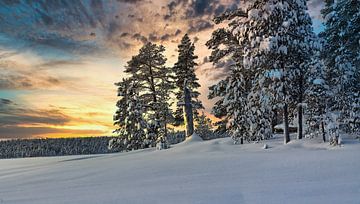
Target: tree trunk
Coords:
[[286, 124], [323, 131], [189, 120], [165, 129], [300, 122], [274, 120], [242, 140]]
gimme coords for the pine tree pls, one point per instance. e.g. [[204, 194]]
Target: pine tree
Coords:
[[149, 71], [166, 115], [317, 95], [234, 91], [278, 40], [129, 116], [122, 104], [272, 41], [341, 54], [204, 127], [184, 70]]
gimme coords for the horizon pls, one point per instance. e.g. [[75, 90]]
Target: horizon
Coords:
[[59, 61]]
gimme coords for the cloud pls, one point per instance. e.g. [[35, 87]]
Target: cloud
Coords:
[[199, 25], [16, 76], [13, 114], [17, 121], [59, 63], [214, 72], [4, 101]]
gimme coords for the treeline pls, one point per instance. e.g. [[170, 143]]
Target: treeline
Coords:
[[280, 71], [54, 147]]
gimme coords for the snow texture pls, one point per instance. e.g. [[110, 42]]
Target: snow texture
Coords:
[[206, 172]]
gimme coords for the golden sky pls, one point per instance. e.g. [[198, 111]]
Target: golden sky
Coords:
[[59, 60]]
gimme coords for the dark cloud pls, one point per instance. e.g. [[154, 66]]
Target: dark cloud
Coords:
[[59, 63], [140, 37], [199, 25], [4, 101], [55, 24], [215, 72], [13, 115], [177, 32]]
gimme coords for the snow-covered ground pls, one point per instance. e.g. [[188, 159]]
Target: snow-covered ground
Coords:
[[214, 171]]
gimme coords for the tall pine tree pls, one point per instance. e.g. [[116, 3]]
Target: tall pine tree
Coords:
[[149, 71], [184, 70], [341, 55]]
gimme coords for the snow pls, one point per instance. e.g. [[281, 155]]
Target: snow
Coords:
[[318, 81], [193, 138], [214, 171]]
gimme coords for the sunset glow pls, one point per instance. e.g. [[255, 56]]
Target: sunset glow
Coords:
[[59, 63]]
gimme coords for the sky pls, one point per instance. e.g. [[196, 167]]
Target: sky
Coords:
[[59, 60]]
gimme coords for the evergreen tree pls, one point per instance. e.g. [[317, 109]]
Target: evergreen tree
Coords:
[[270, 45], [341, 54], [122, 105], [166, 115], [317, 96], [129, 116], [234, 91], [278, 40], [204, 127], [149, 71], [184, 70]]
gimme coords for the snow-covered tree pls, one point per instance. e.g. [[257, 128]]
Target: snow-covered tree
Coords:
[[166, 115], [233, 92], [149, 71], [184, 70], [317, 96], [271, 44], [129, 116], [204, 127], [122, 104], [342, 54], [278, 39]]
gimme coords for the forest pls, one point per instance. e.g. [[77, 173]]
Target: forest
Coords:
[[283, 78]]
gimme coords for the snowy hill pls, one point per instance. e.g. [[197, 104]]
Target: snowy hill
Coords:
[[213, 171]]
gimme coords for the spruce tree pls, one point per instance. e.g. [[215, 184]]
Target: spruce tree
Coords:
[[233, 92], [129, 116], [122, 104], [278, 40], [317, 95], [204, 127], [271, 40], [341, 54], [184, 70], [166, 88]]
